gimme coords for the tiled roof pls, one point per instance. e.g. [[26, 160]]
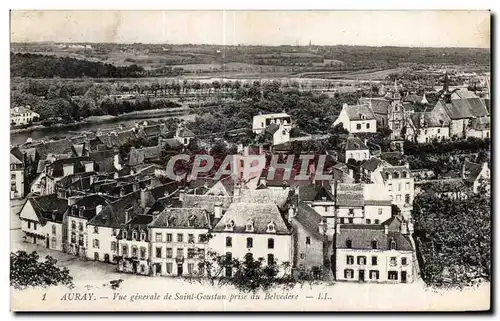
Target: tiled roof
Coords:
[[277, 196], [361, 237], [240, 214], [465, 108], [206, 202], [359, 112], [182, 218], [354, 143], [350, 195]]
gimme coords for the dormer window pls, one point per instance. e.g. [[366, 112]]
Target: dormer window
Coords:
[[388, 175], [348, 244], [229, 226], [96, 229], [271, 227], [393, 244], [171, 221], [374, 244], [134, 235], [124, 234], [143, 236], [249, 226], [192, 221], [403, 174]]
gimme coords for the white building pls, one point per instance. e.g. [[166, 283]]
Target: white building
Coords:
[[260, 122], [253, 229], [399, 182], [178, 241], [355, 149], [476, 175], [183, 135], [357, 119], [42, 221], [16, 174], [22, 115], [429, 126], [133, 241], [373, 253]]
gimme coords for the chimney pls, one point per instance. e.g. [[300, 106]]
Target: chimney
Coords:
[[98, 209], [116, 162], [337, 229], [386, 229], [144, 197], [54, 215], [218, 209]]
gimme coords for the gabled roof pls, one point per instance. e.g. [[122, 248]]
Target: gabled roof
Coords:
[[354, 143], [114, 214], [271, 129], [465, 108], [47, 205], [361, 237], [471, 171], [184, 132], [16, 156], [182, 218], [310, 220], [378, 105], [359, 112], [240, 214]]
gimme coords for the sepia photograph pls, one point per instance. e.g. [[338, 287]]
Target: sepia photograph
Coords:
[[250, 160]]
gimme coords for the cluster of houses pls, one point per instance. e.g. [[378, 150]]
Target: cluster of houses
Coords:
[[459, 113], [22, 115], [89, 198]]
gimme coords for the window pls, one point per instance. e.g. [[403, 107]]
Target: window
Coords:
[[142, 269], [134, 235], [80, 240], [190, 238], [170, 252], [374, 260], [29, 224], [349, 260], [368, 221], [270, 228], [201, 253], [392, 275], [368, 126], [389, 187], [190, 268], [169, 237], [358, 126], [180, 238], [53, 242], [158, 252], [95, 243], [190, 253], [229, 241], [393, 244], [283, 132], [158, 237], [143, 236], [392, 261], [374, 244], [270, 243], [348, 244], [143, 253], [404, 261], [351, 220], [308, 240], [399, 187], [169, 268], [380, 211], [302, 255], [80, 226], [407, 198], [270, 259], [201, 238], [341, 220], [180, 252], [53, 229], [425, 131], [361, 260], [351, 211], [398, 198], [249, 227], [377, 221], [113, 246], [73, 225], [124, 234], [249, 242], [73, 237], [13, 176], [374, 275], [407, 186], [96, 230], [134, 251], [348, 274]]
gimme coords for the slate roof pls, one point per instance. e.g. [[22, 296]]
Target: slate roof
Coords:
[[354, 143], [152, 130], [277, 196], [15, 160], [113, 215], [465, 93], [349, 195], [163, 203], [206, 202], [430, 120], [359, 112], [378, 105], [31, 154], [361, 237], [310, 220], [182, 218], [52, 147], [261, 214], [58, 165], [44, 206], [465, 108], [90, 202]]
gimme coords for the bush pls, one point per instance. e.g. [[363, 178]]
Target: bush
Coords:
[[27, 271]]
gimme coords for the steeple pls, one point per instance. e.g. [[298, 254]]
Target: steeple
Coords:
[[446, 86]]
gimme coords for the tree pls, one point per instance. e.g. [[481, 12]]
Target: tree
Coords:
[[27, 271]]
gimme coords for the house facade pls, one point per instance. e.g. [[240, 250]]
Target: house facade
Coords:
[[22, 115], [17, 177], [399, 182], [357, 119], [133, 243], [260, 122]]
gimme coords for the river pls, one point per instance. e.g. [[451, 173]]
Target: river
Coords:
[[48, 132]]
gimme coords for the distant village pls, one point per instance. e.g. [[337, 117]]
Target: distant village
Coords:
[[87, 198]]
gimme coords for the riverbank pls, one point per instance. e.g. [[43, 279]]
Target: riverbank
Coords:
[[93, 120]]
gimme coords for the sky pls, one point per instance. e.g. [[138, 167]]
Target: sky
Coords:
[[369, 28]]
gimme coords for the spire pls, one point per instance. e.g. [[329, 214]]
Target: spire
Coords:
[[446, 84]]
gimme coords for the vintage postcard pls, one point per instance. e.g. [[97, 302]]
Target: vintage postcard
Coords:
[[250, 161]]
